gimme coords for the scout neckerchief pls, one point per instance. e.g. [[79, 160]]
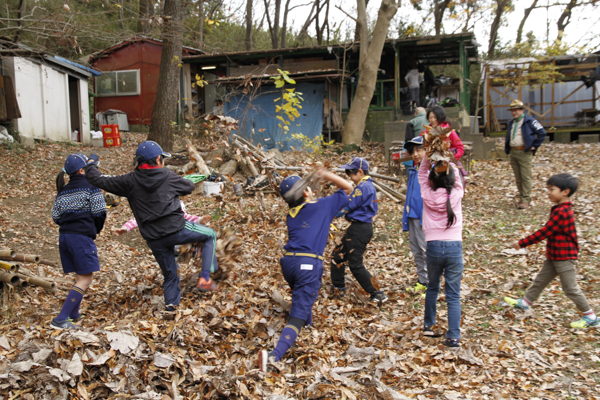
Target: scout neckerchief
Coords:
[[294, 211], [516, 126]]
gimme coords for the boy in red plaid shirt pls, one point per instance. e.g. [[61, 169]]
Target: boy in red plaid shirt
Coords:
[[561, 252]]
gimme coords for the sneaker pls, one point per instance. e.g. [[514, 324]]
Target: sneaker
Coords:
[[207, 286], [338, 292], [264, 359], [427, 331], [170, 308], [585, 323], [516, 303], [378, 297], [66, 324], [523, 206], [452, 343], [419, 287]]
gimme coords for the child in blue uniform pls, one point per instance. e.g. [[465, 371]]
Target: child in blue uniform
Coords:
[[412, 218], [80, 210], [361, 210], [308, 224]]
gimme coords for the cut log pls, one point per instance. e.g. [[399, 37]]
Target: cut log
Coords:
[[202, 168], [251, 166], [34, 280], [9, 266], [386, 193], [229, 168], [393, 191], [29, 258], [9, 277], [8, 253]]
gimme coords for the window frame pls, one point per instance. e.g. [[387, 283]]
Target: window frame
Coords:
[[116, 75]]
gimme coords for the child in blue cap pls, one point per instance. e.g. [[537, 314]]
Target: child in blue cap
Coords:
[[153, 194], [412, 217], [308, 224], [80, 211], [361, 210]]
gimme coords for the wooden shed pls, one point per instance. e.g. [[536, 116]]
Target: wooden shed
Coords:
[[129, 78]]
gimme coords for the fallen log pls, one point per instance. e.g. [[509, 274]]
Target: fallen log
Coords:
[[251, 166], [9, 277], [48, 262], [29, 258], [373, 175], [385, 192], [9, 266], [279, 168], [393, 191], [257, 152], [34, 280], [6, 253], [202, 168]]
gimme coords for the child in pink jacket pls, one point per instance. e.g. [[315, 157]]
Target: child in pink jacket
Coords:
[[132, 223], [442, 195]]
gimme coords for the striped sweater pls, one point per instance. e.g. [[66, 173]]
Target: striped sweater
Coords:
[[79, 208]]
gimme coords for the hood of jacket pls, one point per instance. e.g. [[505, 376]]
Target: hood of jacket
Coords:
[[151, 179]]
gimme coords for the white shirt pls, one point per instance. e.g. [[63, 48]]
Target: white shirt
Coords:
[[516, 138], [413, 78]]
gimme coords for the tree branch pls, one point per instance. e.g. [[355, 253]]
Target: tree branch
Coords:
[[348, 15]]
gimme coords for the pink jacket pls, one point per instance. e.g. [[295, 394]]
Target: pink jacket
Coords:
[[435, 214], [132, 223], [455, 142]]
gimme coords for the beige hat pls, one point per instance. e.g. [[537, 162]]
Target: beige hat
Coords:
[[516, 104]]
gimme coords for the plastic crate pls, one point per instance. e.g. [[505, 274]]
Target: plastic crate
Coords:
[[111, 135]]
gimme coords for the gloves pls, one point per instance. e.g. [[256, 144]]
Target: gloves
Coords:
[[94, 159], [342, 212]]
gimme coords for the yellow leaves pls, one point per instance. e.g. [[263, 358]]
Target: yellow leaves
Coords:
[[200, 81], [211, 22]]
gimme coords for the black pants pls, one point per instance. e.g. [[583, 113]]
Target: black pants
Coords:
[[354, 244]]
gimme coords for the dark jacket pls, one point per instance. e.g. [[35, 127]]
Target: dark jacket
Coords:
[[413, 205], [533, 134], [79, 208], [153, 196]]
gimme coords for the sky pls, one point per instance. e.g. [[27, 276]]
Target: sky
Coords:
[[583, 29]]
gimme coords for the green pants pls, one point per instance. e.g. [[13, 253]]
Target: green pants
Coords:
[[568, 280], [520, 161]]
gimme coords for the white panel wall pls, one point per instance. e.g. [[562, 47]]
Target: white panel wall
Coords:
[[84, 102], [43, 96], [28, 84]]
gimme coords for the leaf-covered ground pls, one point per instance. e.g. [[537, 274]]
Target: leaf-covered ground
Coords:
[[355, 350]]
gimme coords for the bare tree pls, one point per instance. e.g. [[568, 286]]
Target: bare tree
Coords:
[[439, 7], [274, 25], [501, 6], [565, 18], [309, 20], [522, 24], [22, 9], [165, 106], [200, 24], [320, 28], [370, 57], [248, 25], [146, 11], [286, 10]]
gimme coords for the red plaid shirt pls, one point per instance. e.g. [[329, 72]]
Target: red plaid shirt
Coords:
[[560, 232]]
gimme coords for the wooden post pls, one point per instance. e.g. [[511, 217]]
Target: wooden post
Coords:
[[488, 98], [202, 168], [552, 101], [396, 80], [462, 79]]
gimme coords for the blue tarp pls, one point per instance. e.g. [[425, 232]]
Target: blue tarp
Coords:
[[259, 114]]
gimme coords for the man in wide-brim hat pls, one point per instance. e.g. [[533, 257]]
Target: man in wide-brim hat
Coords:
[[523, 137]]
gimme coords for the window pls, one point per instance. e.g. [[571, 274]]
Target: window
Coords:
[[118, 83]]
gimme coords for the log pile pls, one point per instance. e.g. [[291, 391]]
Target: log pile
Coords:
[[13, 274]]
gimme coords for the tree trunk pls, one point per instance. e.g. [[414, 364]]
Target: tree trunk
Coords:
[[500, 6], [273, 26], [284, 24], [165, 106], [522, 24], [304, 31], [357, 30], [370, 58], [439, 7], [200, 24], [564, 19], [22, 8], [146, 11], [248, 25]]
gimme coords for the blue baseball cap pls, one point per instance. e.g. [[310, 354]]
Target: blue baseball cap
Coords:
[[149, 150], [416, 140], [287, 184], [74, 163], [357, 163]]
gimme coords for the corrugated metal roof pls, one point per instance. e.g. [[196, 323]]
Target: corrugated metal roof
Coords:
[[134, 39]]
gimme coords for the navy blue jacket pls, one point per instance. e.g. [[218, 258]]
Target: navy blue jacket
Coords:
[[413, 206], [533, 134], [79, 208], [363, 202]]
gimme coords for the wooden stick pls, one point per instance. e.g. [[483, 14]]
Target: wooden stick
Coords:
[[251, 166], [202, 168], [394, 199], [256, 150], [30, 258], [393, 191], [34, 280], [6, 253], [373, 175], [48, 262]]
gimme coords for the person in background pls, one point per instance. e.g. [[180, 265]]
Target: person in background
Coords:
[[414, 79], [524, 136]]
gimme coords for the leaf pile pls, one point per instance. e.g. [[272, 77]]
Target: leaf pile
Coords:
[[355, 350]]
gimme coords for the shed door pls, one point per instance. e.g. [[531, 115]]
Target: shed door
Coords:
[[75, 107]]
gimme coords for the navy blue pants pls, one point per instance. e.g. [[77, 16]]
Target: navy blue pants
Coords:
[[78, 254], [164, 253], [304, 275]]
